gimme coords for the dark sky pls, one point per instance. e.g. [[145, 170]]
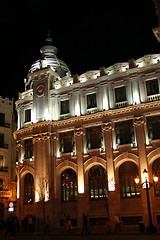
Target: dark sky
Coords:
[[87, 36]]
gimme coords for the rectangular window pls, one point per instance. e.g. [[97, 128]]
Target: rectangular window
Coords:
[[94, 137], [27, 115], [2, 119], [67, 142], [64, 107], [1, 140], [1, 183], [124, 132], [120, 94], [28, 148], [153, 125], [1, 161], [91, 101], [152, 87]]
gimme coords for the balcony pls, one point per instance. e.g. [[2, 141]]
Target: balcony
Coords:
[[121, 104], [6, 125], [153, 98]]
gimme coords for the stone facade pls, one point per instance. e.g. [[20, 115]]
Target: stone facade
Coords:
[[59, 117]]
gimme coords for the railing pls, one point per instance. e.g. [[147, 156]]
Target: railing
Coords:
[[92, 110], [121, 104], [152, 98]]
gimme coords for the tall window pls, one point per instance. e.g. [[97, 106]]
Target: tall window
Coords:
[[64, 107], [120, 94], [127, 173], [1, 140], [67, 142], [94, 137], [27, 115], [91, 101], [153, 124], [1, 161], [97, 183], [69, 185], [124, 132], [156, 171], [28, 148], [28, 189], [1, 184], [2, 119], [152, 87]]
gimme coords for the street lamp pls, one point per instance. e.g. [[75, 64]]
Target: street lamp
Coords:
[[146, 184]]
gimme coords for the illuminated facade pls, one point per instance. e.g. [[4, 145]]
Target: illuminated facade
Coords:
[[82, 140], [7, 156]]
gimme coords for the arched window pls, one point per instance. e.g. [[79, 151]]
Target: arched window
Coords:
[[69, 185], [127, 173], [28, 189], [156, 171], [97, 183]]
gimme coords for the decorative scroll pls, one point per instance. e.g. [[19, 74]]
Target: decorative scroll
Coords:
[[78, 132], [138, 121], [41, 137], [18, 144], [107, 127]]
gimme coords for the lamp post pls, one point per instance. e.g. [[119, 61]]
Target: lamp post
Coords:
[[146, 184]]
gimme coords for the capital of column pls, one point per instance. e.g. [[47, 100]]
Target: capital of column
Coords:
[[41, 137], [107, 127], [138, 121], [18, 144], [78, 132]]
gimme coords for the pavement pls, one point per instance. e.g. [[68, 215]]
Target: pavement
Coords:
[[76, 236]]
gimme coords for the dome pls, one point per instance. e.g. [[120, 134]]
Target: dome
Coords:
[[49, 58]]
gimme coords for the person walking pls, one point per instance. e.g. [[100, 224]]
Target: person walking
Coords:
[[85, 228], [69, 223]]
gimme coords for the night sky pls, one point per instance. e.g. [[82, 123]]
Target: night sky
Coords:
[[87, 36]]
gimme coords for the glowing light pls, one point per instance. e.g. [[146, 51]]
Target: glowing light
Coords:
[[36, 197], [111, 184]]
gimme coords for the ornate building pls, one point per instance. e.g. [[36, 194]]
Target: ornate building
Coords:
[[82, 140], [7, 156]]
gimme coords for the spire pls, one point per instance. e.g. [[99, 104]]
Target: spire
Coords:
[[49, 38]]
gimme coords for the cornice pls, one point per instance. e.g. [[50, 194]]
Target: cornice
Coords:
[[113, 113]]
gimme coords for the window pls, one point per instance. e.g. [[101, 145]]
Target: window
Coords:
[[28, 148], [153, 125], [91, 101], [1, 184], [156, 171], [152, 87], [67, 142], [97, 183], [124, 132], [120, 94], [27, 115], [1, 140], [127, 173], [64, 107], [28, 189], [2, 119], [1, 161], [69, 185], [94, 137]]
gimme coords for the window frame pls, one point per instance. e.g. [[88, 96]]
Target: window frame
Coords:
[[152, 85], [120, 93], [66, 186], [122, 130], [97, 183], [62, 139], [126, 181], [92, 98]]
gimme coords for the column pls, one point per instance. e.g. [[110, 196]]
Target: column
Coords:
[[18, 178], [80, 173], [141, 143]]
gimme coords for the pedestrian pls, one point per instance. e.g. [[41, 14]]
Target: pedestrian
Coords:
[[69, 224], [10, 228], [48, 224], [117, 222], [30, 223], [85, 228]]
